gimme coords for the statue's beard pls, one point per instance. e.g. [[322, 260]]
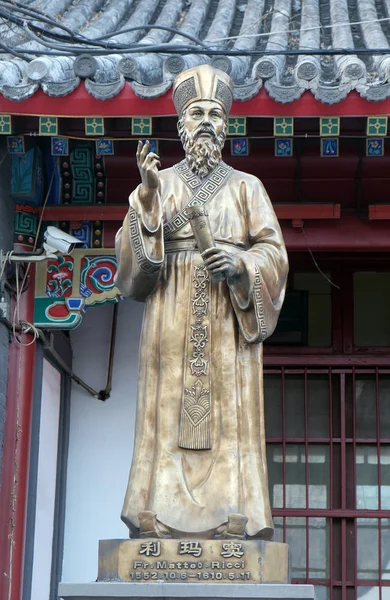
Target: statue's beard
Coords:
[[202, 155]]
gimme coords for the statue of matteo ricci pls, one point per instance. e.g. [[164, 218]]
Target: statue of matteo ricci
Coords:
[[201, 245]]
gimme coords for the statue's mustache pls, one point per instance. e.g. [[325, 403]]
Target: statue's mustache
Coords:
[[205, 129]]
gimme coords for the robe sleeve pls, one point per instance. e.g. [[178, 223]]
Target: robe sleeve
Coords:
[[257, 294], [139, 246]]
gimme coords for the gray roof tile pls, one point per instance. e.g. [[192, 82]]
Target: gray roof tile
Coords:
[[222, 25]]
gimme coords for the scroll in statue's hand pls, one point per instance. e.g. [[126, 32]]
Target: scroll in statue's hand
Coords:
[[148, 163], [220, 261]]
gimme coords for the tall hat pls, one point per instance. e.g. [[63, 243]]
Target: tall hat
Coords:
[[202, 83]]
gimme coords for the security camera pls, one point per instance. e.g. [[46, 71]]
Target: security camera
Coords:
[[55, 241], [59, 241]]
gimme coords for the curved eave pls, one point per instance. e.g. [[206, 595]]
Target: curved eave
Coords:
[[81, 104]]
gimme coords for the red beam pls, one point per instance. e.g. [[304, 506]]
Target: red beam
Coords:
[[80, 104], [98, 212], [324, 360], [348, 234], [109, 212], [379, 212], [324, 233], [328, 512], [16, 455], [307, 211]]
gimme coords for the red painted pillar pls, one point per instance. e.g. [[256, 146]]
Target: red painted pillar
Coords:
[[16, 454]]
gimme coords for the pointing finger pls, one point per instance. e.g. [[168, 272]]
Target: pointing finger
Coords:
[[144, 150], [139, 147]]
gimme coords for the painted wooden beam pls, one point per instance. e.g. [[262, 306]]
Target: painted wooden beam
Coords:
[[348, 234], [299, 357], [307, 211], [126, 104], [109, 212], [379, 212]]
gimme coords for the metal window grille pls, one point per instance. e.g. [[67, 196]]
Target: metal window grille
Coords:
[[328, 453]]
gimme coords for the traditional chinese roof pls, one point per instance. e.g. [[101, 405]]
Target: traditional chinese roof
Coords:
[[201, 31]]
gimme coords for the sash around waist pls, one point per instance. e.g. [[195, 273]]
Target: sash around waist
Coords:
[[190, 246]]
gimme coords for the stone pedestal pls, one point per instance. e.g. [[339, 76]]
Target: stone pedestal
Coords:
[[150, 568], [193, 561], [183, 591]]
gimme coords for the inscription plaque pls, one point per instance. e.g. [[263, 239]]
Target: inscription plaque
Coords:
[[193, 561]]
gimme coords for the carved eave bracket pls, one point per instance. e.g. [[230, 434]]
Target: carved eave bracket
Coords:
[[66, 287]]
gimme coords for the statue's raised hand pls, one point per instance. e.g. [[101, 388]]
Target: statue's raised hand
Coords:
[[148, 164]]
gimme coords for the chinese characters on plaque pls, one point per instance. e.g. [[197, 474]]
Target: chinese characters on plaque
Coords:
[[228, 549]]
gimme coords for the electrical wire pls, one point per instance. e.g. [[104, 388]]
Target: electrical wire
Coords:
[[74, 37], [80, 38], [170, 49], [77, 37], [90, 50], [9, 50], [298, 31], [38, 15], [148, 27], [100, 47], [5, 259], [26, 326], [315, 262]]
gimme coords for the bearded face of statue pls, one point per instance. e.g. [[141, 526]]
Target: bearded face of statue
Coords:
[[202, 130]]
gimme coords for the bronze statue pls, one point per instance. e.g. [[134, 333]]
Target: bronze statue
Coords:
[[199, 464]]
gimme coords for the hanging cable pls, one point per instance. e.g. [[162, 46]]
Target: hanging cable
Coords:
[[26, 326], [170, 49], [73, 43], [39, 16], [315, 262]]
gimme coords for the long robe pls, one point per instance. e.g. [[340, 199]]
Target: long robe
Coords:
[[201, 343]]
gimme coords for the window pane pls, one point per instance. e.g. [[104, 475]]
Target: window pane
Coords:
[[318, 405], [384, 408], [273, 405], [321, 592], [319, 476], [385, 477], [385, 550], [295, 476], [367, 477], [368, 593], [372, 309], [296, 538], [320, 307], [275, 474], [365, 406], [318, 548], [278, 528], [295, 403], [367, 549], [366, 425]]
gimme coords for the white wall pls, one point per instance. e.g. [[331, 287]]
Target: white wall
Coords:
[[101, 436], [46, 482]]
